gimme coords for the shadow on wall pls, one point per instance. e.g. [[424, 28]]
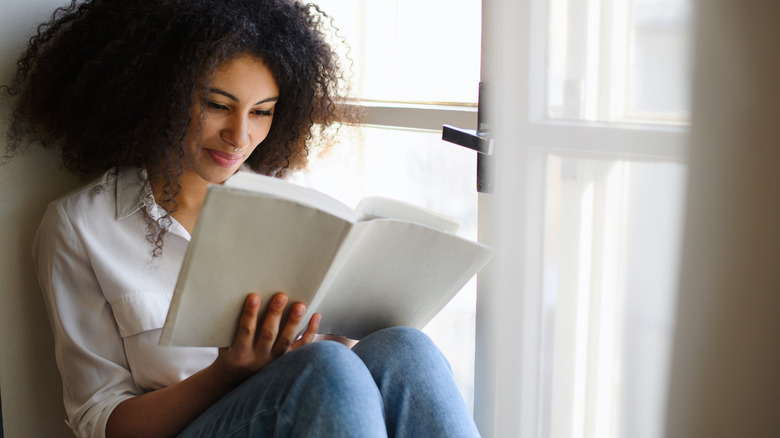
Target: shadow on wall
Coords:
[[31, 386], [31, 389]]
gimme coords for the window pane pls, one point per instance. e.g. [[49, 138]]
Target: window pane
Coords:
[[610, 260], [414, 51], [660, 59], [619, 60]]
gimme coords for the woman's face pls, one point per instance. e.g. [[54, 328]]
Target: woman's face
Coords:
[[236, 116]]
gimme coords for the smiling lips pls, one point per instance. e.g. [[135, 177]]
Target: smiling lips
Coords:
[[224, 159]]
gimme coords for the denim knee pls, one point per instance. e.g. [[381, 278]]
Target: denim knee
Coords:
[[419, 394], [396, 349], [402, 337], [330, 361], [336, 385], [325, 352]]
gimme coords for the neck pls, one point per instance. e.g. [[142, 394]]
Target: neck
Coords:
[[188, 201]]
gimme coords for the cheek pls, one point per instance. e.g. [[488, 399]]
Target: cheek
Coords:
[[259, 134], [209, 128], [261, 131], [196, 135], [191, 143]]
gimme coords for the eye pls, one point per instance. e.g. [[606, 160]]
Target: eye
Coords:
[[216, 106], [266, 113]]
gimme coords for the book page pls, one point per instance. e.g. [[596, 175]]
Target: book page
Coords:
[[397, 273], [279, 188], [378, 207], [245, 243]]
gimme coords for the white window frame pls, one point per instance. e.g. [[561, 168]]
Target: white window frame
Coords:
[[507, 387], [420, 116]]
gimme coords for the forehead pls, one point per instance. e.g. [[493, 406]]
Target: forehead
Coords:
[[245, 74]]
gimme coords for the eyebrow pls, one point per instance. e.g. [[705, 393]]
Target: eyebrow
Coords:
[[235, 99]]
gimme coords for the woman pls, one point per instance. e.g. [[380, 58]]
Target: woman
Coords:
[[154, 100]]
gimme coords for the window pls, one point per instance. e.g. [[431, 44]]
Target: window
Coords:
[[573, 335]]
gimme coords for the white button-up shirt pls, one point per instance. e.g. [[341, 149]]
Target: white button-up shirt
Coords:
[[107, 297]]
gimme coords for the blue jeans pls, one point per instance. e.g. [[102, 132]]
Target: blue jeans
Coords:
[[394, 382]]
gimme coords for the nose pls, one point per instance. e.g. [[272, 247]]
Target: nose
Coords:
[[236, 132]]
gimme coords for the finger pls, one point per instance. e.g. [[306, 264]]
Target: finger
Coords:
[[290, 330], [247, 323], [311, 331], [269, 328]]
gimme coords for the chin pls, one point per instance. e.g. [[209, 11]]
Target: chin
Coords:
[[217, 176]]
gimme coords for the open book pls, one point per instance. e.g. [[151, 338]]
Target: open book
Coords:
[[386, 263]]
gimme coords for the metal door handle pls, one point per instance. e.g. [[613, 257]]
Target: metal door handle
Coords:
[[478, 140]]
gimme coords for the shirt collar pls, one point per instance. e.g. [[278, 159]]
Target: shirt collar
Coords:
[[134, 192]]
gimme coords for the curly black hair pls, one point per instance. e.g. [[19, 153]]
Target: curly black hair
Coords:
[[110, 83]]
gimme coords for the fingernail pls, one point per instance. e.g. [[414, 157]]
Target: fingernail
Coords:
[[297, 310]]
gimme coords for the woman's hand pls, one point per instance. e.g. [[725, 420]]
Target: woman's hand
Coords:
[[258, 343]]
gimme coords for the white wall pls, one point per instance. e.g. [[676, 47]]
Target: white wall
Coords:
[[29, 381]]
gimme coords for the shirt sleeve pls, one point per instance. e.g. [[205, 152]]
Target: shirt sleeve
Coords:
[[88, 346]]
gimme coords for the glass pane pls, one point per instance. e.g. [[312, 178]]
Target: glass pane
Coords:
[[420, 168], [610, 260], [660, 59], [619, 60], [407, 50]]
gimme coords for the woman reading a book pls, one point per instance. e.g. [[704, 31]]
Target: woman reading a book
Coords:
[[153, 100]]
